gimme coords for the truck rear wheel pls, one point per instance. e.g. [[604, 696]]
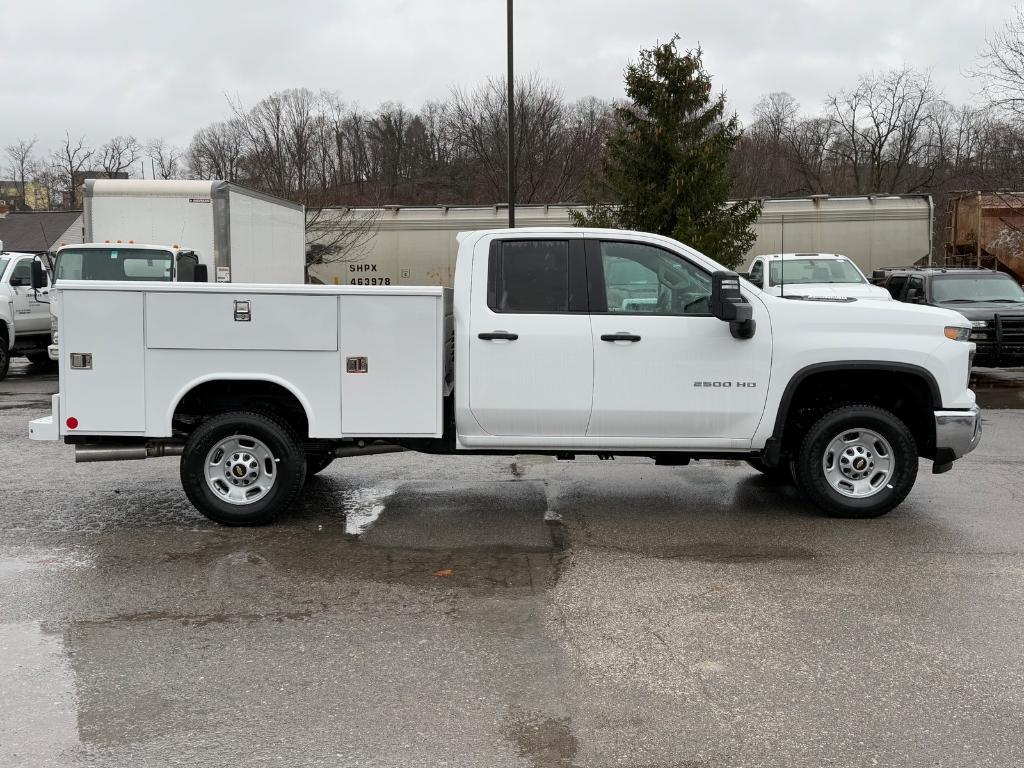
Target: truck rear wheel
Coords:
[[243, 468], [858, 461]]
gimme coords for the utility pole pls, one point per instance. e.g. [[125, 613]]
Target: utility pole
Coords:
[[510, 81]]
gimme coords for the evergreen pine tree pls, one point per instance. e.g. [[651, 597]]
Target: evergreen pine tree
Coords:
[[666, 168]]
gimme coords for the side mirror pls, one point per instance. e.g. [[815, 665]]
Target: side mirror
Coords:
[[38, 278], [913, 295], [200, 274], [729, 304]]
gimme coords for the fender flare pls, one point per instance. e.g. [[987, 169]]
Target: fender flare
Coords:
[[773, 448], [269, 378]]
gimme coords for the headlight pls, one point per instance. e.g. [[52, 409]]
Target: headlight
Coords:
[[979, 324], [956, 333], [53, 328]]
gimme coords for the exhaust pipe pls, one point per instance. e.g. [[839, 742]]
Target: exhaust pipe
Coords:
[[113, 452], [360, 449]]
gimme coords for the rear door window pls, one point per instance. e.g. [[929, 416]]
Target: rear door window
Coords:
[[529, 276]]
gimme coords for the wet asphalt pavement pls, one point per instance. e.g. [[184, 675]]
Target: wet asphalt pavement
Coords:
[[444, 611]]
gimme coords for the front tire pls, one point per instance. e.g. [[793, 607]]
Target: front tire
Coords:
[[858, 461], [243, 468]]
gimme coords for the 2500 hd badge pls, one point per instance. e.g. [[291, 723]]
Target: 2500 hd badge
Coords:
[[726, 384]]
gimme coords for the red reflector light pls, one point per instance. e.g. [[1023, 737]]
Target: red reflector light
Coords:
[[72, 422]]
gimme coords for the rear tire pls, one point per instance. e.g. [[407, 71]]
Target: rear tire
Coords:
[[243, 468], [858, 461], [5, 355]]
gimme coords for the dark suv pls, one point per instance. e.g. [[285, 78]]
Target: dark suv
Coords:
[[992, 301]]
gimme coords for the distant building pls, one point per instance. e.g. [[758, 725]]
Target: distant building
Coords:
[[36, 197], [39, 231]]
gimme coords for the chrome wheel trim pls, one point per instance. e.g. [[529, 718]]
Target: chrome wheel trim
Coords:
[[241, 470], [858, 463]]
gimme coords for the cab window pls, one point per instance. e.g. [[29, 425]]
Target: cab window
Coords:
[[22, 273], [915, 289], [529, 276], [642, 279]]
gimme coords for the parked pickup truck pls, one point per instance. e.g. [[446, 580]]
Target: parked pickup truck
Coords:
[[24, 313], [992, 301], [555, 341], [812, 274]]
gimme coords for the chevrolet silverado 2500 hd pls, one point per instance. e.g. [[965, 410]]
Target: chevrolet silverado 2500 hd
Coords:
[[554, 341]]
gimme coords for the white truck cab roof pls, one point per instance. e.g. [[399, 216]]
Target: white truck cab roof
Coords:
[[125, 244]]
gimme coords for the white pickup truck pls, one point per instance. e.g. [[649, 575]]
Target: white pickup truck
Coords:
[[24, 311], [555, 341]]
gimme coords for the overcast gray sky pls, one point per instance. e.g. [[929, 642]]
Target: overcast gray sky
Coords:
[[107, 67]]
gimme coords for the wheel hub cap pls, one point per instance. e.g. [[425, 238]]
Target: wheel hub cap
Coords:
[[241, 469], [858, 463]]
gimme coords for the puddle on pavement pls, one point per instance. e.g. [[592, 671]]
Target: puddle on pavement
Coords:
[[999, 388], [42, 560], [474, 535], [38, 712], [362, 507]]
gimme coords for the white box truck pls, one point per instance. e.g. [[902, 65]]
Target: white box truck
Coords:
[[555, 341], [241, 236]]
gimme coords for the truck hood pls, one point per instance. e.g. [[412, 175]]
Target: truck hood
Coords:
[[986, 310], [851, 290]]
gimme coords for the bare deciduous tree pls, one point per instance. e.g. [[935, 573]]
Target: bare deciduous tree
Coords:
[[883, 130], [1000, 66], [119, 155], [216, 151], [22, 162], [166, 159], [67, 163]]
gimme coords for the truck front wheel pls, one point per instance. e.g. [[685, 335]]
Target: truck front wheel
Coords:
[[243, 468], [857, 461]]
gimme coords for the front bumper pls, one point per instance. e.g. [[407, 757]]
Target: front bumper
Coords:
[[957, 433], [53, 351]]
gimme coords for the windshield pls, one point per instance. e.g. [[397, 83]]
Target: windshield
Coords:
[[803, 271], [3, 264], [114, 263], [980, 288]]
